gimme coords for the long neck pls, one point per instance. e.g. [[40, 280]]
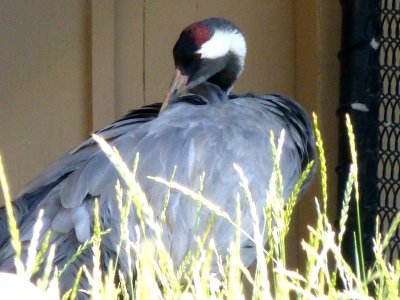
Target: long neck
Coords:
[[227, 76], [204, 93]]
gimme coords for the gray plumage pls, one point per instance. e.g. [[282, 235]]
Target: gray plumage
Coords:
[[203, 129]]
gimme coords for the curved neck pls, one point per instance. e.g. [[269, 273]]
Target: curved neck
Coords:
[[227, 76]]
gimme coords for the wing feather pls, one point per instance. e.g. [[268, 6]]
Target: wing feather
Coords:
[[206, 138]]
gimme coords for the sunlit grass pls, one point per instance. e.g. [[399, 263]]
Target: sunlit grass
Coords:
[[155, 276]]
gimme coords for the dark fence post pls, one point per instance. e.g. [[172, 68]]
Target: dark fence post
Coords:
[[359, 97]]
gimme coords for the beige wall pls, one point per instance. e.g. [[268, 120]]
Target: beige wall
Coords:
[[44, 83], [318, 34], [69, 67]]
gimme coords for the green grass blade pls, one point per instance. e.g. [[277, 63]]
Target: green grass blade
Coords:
[[12, 223], [352, 141]]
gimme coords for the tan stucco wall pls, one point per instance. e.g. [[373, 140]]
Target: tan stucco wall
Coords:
[[318, 35]]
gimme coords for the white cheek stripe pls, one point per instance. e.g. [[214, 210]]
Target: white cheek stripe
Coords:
[[221, 43]]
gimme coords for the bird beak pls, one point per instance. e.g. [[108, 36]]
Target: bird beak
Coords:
[[177, 88]]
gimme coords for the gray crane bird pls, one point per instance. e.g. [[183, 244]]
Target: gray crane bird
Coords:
[[199, 127]]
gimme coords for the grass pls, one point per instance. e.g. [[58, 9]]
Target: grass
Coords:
[[156, 278]]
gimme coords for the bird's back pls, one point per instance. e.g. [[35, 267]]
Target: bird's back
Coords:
[[194, 135]]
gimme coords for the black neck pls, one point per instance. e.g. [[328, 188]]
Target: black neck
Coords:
[[227, 76], [204, 93]]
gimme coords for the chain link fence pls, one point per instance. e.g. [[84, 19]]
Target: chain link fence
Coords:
[[370, 93], [389, 122]]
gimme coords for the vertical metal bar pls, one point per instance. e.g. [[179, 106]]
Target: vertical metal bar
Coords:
[[359, 97]]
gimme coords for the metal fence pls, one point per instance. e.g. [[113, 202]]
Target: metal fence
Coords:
[[370, 93], [389, 121]]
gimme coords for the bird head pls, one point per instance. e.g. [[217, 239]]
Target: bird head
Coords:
[[212, 50]]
